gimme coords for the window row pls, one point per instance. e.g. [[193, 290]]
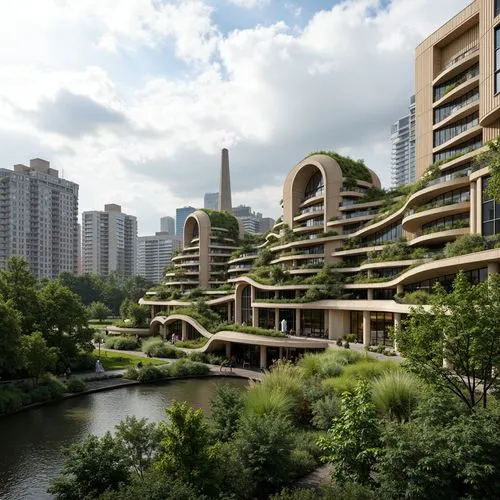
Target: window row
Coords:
[[315, 186], [446, 223], [392, 233], [448, 109], [447, 133], [463, 148], [447, 86], [497, 60], [474, 276], [490, 212]]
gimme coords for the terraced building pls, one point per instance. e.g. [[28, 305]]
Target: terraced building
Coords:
[[348, 257]]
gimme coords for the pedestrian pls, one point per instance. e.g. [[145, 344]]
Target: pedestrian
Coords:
[[284, 326], [67, 373]]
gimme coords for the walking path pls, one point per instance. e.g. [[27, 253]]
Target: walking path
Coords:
[[315, 479]]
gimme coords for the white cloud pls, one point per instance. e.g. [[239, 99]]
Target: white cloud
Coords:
[[249, 4], [270, 93]]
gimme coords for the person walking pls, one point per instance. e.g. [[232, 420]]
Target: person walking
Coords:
[[284, 326]]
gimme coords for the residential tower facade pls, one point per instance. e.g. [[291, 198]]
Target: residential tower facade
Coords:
[[39, 218], [109, 242], [154, 254]]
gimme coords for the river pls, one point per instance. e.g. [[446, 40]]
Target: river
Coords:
[[30, 441]]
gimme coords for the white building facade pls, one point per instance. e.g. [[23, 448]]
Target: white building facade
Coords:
[[154, 253], [39, 218]]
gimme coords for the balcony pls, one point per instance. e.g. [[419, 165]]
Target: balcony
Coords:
[[458, 64]]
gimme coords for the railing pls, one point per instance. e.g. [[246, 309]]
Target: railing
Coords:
[[312, 208], [463, 55]]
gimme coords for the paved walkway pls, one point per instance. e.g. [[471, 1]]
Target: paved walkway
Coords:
[[315, 479]]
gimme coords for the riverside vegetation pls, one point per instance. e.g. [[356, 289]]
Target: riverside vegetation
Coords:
[[417, 431]]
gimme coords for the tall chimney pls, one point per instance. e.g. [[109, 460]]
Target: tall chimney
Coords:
[[225, 183]]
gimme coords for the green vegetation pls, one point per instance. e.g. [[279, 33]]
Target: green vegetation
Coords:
[[158, 348], [352, 169], [98, 311], [120, 343], [18, 394], [179, 368], [225, 220], [121, 361], [75, 385], [192, 344], [248, 329], [463, 327]]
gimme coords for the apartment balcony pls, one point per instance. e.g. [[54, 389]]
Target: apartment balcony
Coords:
[[457, 113], [458, 65], [318, 198], [439, 236], [242, 268], [317, 226], [469, 84], [465, 136], [413, 220], [306, 214]]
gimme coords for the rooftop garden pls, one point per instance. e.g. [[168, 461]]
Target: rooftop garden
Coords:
[[224, 220], [353, 169]]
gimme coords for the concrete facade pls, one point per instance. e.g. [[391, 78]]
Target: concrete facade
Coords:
[[154, 254], [39, 218], [458, 89], [225, 202], [109, 242]]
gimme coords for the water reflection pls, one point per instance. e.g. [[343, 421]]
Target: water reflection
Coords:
[[30, 441]]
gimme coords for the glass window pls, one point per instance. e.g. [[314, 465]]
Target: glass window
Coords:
[[315, 186], [497, 54]]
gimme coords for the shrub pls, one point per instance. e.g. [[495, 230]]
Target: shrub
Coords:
[[419, 297], [366, 370], [150, 373], [121, 343], [207, 357], [186, 367], [227, 406], [192, 344], [131, 374], [157, 348], [296, 494], [324, 411], [11, 399], [75, 385], [465, 244], [396, 394]]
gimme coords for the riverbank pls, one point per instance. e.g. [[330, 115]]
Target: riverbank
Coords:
[[114, 380]]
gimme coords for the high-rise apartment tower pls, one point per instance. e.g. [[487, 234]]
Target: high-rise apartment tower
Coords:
[[39, 218], [458, 88], [154, 253], [403, 148], [167, 225], [109, 241]]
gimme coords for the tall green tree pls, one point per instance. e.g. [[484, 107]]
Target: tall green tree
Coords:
[[491, 159], [91, 468], [63, 319], [462, 327], [37, 356], [10, 337], [185, 447], [352, 442], [140, 442], [98, 310], [19, 284]]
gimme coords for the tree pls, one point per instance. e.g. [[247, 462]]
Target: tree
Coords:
[[91, 468], [429, 459], [18, 284], [98, 310], [138, 314], [63, 319], [10, 333], [461, 326], [139, 440], [37, 357], [264, 446], [227, 406], [352, 441], [185, 447]]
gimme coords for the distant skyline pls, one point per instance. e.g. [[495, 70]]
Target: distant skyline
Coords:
[[137, 102]]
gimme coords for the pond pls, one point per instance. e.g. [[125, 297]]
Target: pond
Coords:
[[30, 441]]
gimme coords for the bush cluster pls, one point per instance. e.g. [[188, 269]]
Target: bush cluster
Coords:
[[179, 368], [158, 348], [18, 394], [121, 343]]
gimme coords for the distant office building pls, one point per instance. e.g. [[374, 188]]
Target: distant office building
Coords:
[[39, 218], [252, 222], [109, 241], [154, 253], [180, 217], [167, 225], [403, 165], [211, 201]]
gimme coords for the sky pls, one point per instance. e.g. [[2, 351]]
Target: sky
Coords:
[[134, 99]]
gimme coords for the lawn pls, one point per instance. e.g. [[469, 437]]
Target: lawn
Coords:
[[121, 361]]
